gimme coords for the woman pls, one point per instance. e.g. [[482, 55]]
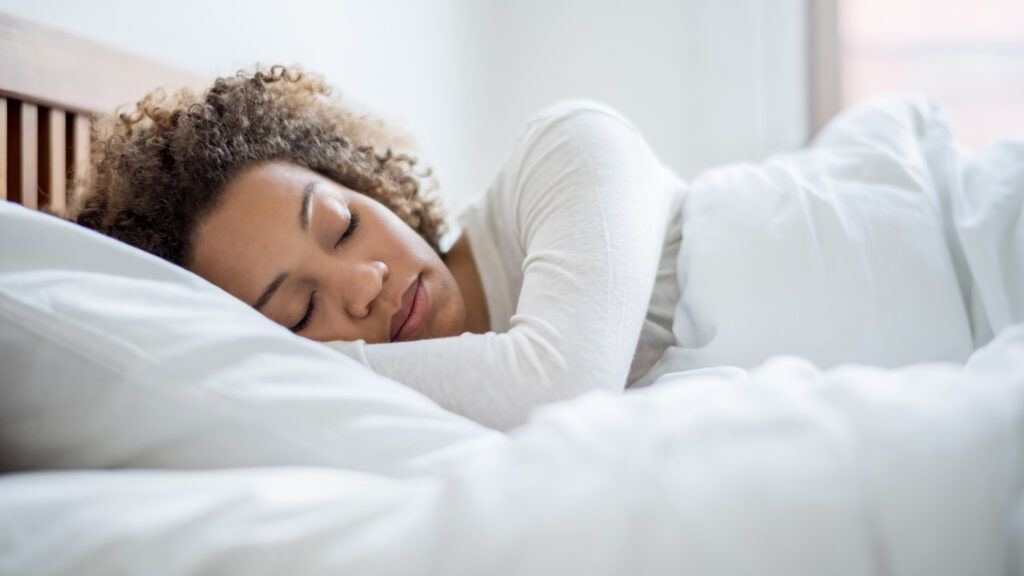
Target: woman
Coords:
[[563, 280]]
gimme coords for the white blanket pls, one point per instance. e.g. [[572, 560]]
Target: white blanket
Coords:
[[882, 243], [785, 470]]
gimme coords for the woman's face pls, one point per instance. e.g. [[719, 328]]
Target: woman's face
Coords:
[[285, 240]]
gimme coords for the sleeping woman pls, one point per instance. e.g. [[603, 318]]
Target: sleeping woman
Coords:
[[267, 185]]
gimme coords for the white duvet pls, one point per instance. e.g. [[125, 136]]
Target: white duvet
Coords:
[[797, 465], [787, 470], [882, 243]]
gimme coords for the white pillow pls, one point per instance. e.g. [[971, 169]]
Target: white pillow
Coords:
[[113, 357], [837, 253]]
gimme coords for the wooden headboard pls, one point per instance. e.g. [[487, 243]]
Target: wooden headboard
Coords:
[[51, 84]]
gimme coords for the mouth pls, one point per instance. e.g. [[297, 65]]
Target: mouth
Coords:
[[415, 306]]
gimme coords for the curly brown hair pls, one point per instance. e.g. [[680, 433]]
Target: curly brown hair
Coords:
[[159, 168]]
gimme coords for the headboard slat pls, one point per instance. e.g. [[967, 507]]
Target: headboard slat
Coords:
[[3, 149], [52, 160], [79, 145], [22, 165]]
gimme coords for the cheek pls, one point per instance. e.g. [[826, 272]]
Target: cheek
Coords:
[[394, 243], [449, 314]]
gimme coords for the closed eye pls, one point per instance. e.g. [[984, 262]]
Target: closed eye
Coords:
[[302, 324], [308, 316], [352, 225]]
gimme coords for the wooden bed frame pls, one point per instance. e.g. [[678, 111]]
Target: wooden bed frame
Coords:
[[51, 84]]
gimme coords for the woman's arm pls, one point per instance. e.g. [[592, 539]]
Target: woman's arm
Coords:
[[590, 204]]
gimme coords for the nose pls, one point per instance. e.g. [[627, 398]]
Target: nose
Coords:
[[365, 286]]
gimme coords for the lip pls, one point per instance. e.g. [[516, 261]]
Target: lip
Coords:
[[418, 309], [400, 316], [413, 312]]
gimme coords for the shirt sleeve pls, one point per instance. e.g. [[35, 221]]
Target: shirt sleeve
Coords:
[[590, 206]]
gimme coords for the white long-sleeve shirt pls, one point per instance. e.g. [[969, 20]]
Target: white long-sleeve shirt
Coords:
[[575, 242]]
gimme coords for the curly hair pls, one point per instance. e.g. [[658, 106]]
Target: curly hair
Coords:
[[158, 169]]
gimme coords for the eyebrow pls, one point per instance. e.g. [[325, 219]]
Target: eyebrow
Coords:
[[306, 211], [271, 288]]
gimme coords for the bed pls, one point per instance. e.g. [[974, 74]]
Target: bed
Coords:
[[152, 424]]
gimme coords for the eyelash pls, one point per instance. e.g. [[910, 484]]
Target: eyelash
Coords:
[[353, 224], [304, 323], [309, 314]]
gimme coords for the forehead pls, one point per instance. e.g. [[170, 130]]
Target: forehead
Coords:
[[266, 197], [274, 183], [255, 228]]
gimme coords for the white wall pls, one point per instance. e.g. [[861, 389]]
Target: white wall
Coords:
[[708, 81]]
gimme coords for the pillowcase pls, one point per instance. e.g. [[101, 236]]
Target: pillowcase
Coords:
[[113, 357], [838, 253]]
